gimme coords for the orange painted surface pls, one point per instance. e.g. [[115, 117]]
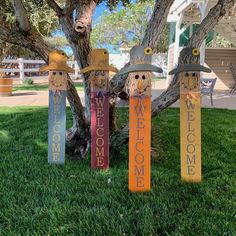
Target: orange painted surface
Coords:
[[140, 144], [190, 135], [5, 87]]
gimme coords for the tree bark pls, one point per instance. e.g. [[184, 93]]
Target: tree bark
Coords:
[[171, 95], [157, 23]]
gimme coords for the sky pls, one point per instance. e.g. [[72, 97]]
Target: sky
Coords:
[[98, 12], [100, 9]]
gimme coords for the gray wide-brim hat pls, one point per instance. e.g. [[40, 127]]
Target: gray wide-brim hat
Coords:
[[140, 60], [194, 54]]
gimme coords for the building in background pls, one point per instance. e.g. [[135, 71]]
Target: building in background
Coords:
[[184, 17]]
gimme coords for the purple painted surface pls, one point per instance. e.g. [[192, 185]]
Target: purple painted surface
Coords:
[[99, 130]]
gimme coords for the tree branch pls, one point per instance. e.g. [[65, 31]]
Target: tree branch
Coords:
[[69, 7], [55, 7], [157, 22], [151, 38], [171, 95], [21, 15], [31, 40]]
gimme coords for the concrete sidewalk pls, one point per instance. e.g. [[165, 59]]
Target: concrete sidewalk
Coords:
[[221, 99]]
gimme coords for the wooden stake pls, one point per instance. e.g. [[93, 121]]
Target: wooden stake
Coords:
[[140, 131], [99, 119], [190, 126], [57, 117]]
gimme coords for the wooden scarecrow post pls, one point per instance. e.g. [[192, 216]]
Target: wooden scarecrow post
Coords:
[[58, 85], [190, 114], [138, 87], [99, 84]]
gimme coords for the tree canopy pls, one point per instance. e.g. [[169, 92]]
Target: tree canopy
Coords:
[[128, 27]]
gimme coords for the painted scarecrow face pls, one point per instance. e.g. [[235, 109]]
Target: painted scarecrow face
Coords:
[[99, 81], [190, 81], [57, 80], [139, 84]]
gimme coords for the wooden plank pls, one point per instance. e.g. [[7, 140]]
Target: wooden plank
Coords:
[[140, 144], [190, 126], [99, 130], [99, 119], [140, 131], [56, 127]]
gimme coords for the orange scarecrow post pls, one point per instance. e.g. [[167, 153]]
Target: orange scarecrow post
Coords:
[[58, 85], [139, 89], [99, 84], [190, 114]]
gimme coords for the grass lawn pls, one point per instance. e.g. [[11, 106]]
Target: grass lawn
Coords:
[[39, 199], [37, 87]]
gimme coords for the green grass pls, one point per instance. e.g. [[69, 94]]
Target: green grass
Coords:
[[40, 199], [36, 87]]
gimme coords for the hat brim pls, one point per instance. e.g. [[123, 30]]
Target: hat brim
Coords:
[[57, 67], [94, 68], [190, 67], [140, 67]]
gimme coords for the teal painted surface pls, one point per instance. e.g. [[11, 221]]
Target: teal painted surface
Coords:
[[184, 37], [56, 127]]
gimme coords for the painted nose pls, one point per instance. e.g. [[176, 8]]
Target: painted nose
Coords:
[[100, 81], [140, 84]]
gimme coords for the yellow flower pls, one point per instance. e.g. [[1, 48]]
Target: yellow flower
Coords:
[[196, 52], [148, 51]]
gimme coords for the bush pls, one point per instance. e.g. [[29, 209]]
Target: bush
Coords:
[[28, 81]]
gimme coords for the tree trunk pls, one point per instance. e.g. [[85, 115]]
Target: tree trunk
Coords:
[[171, 95], [78, 35]]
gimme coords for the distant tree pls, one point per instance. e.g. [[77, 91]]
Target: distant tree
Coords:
[[128, 27], [220, 42]]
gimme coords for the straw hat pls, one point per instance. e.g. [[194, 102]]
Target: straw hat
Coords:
[[99, 60], [140, 60], [57, 62], [193, 55]]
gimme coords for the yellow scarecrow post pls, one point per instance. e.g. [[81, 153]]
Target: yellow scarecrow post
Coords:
[[190, 114]]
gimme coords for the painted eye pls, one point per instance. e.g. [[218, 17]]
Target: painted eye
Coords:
[[136, 77], [195, 52], [187, 74], [103, 73], [193, 74], [60, 73], [143, 77], [54, 73], [148, 51], [97, 73]]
